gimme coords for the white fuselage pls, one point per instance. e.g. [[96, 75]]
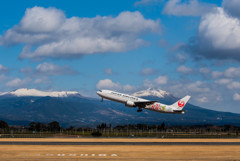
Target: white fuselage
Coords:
[[130, 101]]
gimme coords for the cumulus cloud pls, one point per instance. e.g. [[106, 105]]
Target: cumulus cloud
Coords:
[[216, 74], [204, 71], [48, 69], [109, 84], [202, 92], [198, 87], [41, 20], [52, 69], [233, 85], [3, 69], [47, 33], [223, 81], [228, 78], [232, 72], [108, 71], [202, 99], [26, 70], [187, 8], [161, 80], [148, 71], [232, 7], [17, 82], [181, 58], [43, 80], [184, 70], [218, 36], [146, 2], [3, 78], [236, 97]]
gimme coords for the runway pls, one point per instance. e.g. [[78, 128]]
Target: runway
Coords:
[[115, 143]]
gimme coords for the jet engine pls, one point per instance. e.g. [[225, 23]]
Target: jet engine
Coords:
[[130, 104]]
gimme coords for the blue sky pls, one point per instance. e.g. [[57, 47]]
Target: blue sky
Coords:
[[181, 46]]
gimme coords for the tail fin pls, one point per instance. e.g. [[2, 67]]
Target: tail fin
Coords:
[[180, 103]]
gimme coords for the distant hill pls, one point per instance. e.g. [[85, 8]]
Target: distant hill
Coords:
[[71, 108]]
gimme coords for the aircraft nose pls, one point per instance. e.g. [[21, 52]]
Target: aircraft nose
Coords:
[[99, 92]]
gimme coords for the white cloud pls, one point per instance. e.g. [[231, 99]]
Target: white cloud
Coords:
[[48, 69], [41, 20], [17, 82], [197, 87], [148, 71], [161, 80], [232, 72], [108, 71], [148, 84], [3, 78], [43, 80], [52, 69], [109, 84], [146, 2], [234, 85], [232, 7], [236, 97], [128, 87], [181, 58], [189, 8], [3, 69], [223, 81], [202, 99], [184, 70], [47, 33], [204, 71], [218, 36], [216, 74], [220, 29]]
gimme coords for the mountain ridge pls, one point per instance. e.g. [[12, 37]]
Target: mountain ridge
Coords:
[[34, 92], [84, 111]]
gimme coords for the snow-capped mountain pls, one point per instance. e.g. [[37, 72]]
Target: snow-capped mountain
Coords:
[[22, 106], [23, 92], [152, 92]]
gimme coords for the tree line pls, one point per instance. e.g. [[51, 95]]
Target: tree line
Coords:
[[54, 126]]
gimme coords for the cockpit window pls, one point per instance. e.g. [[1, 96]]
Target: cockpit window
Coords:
[[100, 90]]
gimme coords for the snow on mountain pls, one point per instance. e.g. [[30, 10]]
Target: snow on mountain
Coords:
[[37, 93], [152, 92]]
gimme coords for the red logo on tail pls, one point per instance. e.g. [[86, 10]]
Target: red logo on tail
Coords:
[[181, 103]]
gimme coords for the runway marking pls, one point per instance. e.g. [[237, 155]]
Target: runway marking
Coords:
[[75, 155]]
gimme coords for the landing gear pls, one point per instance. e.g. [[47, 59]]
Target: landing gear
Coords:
[[139, 110], [102, 100]]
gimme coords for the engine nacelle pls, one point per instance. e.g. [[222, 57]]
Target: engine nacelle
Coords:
[[178, 112], [130, 104]]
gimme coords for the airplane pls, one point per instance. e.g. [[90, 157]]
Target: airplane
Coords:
[[132, 101]]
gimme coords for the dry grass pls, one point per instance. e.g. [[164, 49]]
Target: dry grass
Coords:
[[124, 153]]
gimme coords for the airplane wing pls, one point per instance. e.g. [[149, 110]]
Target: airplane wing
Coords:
[[144, 103]]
